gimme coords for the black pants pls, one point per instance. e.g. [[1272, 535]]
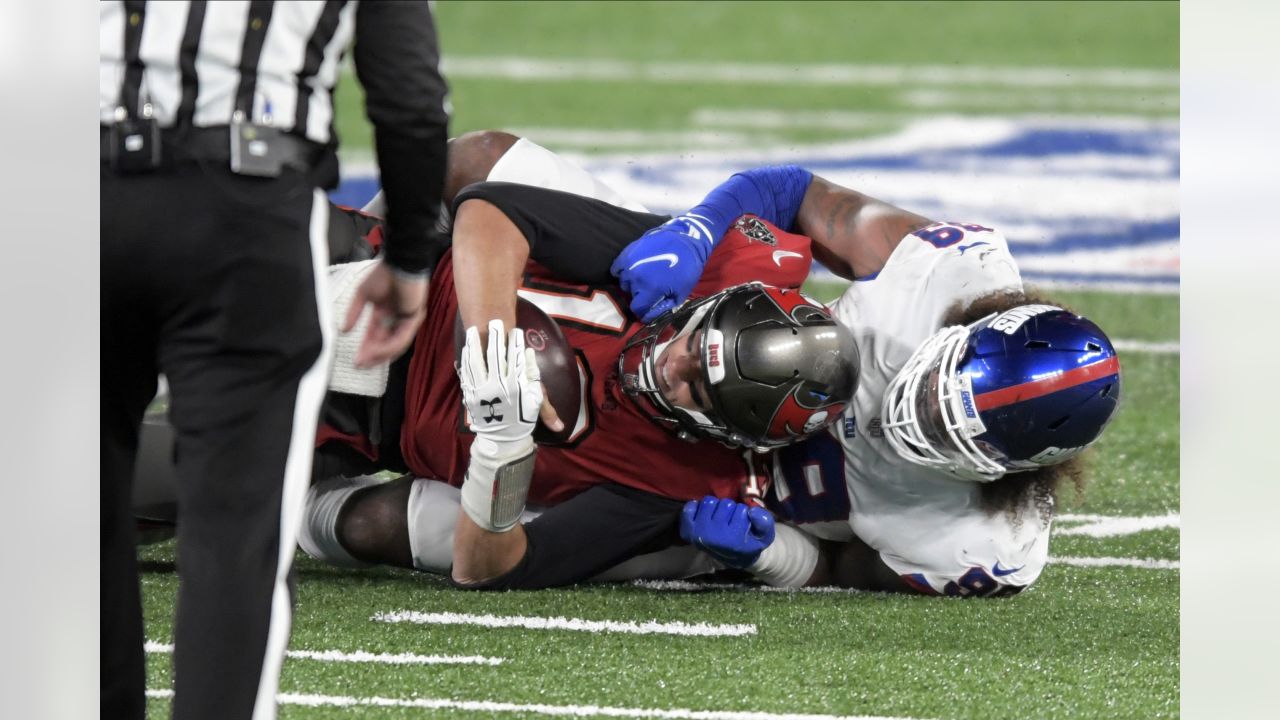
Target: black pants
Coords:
[[212, 279]]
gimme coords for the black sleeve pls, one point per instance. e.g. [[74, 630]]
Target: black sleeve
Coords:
[[397, 59], [574, 237], [349, 232], [588, 534]]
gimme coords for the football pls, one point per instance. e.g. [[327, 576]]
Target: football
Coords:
[[556, 362]]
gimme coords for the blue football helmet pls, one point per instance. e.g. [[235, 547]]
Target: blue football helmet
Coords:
[[1014, 391]]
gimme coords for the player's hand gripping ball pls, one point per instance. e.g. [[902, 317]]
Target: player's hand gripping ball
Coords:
[[557, 365]]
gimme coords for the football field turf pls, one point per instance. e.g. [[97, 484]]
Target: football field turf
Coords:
[[1097, 636]]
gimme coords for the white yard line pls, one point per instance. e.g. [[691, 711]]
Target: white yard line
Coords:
[[1101, 526], [566, 69], [361, 656], [791, 119], [787, 119], [562, 623], [488, 706], [1171, 347], [592, 138], [1158, 288], [936, 98], [1145, 563]]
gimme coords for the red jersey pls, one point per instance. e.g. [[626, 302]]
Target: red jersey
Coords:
[[614, 440]]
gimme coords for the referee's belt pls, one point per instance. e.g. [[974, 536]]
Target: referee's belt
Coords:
[[213, 144]]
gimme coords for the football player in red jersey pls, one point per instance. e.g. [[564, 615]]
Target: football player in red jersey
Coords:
[[618, 478]]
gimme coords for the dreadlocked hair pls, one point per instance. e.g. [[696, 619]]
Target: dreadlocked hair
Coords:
[[1010, 493]]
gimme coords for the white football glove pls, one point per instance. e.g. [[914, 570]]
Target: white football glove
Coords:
[[504, 395]]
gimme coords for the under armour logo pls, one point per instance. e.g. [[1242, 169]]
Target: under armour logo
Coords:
[[492, 405]]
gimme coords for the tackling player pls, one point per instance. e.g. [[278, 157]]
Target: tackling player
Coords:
[[975, 398]]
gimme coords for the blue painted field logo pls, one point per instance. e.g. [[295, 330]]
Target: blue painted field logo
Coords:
[[1082, 202]]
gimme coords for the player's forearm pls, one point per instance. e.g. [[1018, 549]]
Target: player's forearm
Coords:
[[480, 555], [792, 560], [489, 256], [852, 229], [773, 193]]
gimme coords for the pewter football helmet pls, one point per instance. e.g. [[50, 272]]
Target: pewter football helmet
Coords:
[[777, 366]]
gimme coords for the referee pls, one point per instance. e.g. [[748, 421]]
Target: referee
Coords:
[[217, 137]]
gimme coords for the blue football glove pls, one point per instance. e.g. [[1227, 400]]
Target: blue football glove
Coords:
[[661, 268], [730, 531]]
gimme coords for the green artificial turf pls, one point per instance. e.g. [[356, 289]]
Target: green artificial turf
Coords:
[[1082, 642]]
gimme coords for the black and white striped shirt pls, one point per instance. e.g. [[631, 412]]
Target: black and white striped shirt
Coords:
[[198, 64]]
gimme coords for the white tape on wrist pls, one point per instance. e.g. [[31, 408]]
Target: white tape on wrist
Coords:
[[790, 559], [497, 483]]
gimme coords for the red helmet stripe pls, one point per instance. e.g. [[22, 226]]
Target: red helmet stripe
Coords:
[[1046, 386], [787, 300]]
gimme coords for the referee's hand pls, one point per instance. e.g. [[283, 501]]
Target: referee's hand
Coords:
[[399, 305]]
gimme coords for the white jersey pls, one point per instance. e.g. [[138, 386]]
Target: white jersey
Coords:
[[928, 527]]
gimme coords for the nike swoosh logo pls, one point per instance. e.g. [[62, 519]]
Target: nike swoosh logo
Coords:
[[1001, 572], [962, 248], [779, 254], [669, 257]]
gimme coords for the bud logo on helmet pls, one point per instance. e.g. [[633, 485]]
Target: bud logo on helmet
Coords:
[[1009, 322], [715, 360]]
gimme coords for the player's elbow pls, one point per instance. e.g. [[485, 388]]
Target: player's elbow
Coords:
[[472, 157]]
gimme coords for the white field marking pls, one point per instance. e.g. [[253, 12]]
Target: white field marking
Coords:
[[1138, 288], [689, 586], [1153, 258], [1172, 347], [764, 119], [590, 137], [1144, 563], [1101, 526], [490, 706], [787, 119], [563, 623], [933, 98], [361, 656], [566, 69]]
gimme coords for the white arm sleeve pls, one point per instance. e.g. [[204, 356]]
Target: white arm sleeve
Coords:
[[789, 560], [528, 163]]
